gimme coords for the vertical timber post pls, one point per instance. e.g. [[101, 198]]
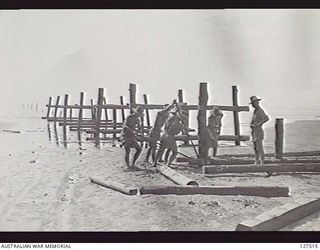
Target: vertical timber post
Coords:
[[49, 106], [80, 114], [279, 138], [65, 108], [114, 118], [93, 110], [132, 95], [180, 95], [202, 117], [145, 99], [105, 109], [122, 110], [99, 111], [236, 115], [56, 107], [180, 100]]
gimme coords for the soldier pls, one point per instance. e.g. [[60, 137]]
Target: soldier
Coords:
[[154, 135], [258, 119], [127, 136], [173, 126], [214, 128]]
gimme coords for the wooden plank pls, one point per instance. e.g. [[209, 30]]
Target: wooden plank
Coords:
[[235, 114], [202, 122], [221, 137], [270, 168], [183, 106], [282, 216], [117, 186], [175, 176], [195, 107], [243, 161], [263, 191], [75, 106], [279, 138]]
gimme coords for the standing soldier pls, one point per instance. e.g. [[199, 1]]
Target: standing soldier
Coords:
[[214, 128], [173, 126], [127, 136], [154, 135], [258, 119]]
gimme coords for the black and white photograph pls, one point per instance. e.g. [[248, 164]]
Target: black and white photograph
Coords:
[[137, 120]]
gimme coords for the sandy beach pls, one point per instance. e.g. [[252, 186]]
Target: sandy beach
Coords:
[[45, 186]]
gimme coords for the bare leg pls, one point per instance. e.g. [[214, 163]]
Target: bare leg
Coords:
[[136, 155], [161, 157], [153, 151], [159, 154], [261, 153], [127, 152], [172, 157], [214, 151], [256, 152], [148, 154], [167, 156]]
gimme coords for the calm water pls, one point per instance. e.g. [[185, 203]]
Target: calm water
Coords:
[[44, 132]]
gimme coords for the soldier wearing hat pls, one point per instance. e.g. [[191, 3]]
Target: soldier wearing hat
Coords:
[[127, 136], [154, 135], [173, 126], [214, 128], [258, 119]]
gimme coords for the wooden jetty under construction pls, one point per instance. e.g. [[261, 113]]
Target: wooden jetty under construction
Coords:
[[103, 123]]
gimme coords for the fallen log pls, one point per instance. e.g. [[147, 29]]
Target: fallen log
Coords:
[[263, 191], [281, 216], [11, 131], [221, 137], [281, 167], [175, 176], [239, 161], [122, 188]]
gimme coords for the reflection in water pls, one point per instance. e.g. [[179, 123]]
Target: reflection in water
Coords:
[[56, 136], [97, 138], [79, 138], [49, 131], [64, 129]]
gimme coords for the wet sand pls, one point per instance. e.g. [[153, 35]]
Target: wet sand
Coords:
[[45, 186]]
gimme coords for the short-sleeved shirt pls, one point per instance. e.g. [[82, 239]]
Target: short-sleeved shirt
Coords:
[[258, 116]]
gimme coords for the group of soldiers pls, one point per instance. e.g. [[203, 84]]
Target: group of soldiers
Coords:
[[171, 121]]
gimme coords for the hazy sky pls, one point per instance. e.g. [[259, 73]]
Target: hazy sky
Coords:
[[274, 54]]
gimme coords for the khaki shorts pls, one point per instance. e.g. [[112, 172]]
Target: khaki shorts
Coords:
[[169, 142], [154, 137]]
